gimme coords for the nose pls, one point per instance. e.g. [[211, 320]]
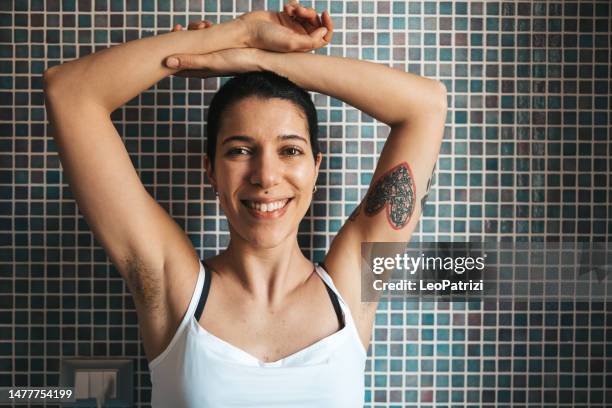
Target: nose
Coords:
[[266, 171]]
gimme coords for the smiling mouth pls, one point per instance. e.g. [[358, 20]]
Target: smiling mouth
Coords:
[[267, 211], [270, 207]]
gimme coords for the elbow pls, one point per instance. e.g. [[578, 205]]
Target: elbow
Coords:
[[439, 102], [48, 74], [63, 84], [441, 97], [60, 84], [431, 107], [441, 105], [49, 81]]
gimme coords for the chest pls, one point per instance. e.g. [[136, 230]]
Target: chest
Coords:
[[266, 334]]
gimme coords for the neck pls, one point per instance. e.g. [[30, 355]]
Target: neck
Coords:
[[268, 275]]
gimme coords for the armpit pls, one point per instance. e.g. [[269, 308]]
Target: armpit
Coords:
[[144, 284]]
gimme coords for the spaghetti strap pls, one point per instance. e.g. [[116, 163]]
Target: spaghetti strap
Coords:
[[204, 293], [336, 303], [328, 280]]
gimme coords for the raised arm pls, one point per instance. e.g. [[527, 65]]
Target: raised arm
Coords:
[[80, 96], [138, 235], [150, 251]]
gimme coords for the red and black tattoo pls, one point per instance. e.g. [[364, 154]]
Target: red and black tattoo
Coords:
[[396, 191]]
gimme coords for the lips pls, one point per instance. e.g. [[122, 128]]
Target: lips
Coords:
[[268, 209]]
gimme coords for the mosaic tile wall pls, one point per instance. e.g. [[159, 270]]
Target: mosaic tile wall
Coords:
[[526, 156]]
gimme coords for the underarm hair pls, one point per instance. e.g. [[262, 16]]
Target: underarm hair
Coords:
[[142, 284]]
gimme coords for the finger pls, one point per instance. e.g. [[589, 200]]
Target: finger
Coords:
[[294, 24], [303, 16], [329, 24], [292, 3], [177, 27], [309, 14], [186, 61], [318, 36], [194, 25], [199, 25], [307, 17], [289, 9], [309, 42]]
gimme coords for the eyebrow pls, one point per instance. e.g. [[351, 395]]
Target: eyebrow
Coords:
[[243, 138]]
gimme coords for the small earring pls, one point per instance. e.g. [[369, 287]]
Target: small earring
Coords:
[[314, 190]]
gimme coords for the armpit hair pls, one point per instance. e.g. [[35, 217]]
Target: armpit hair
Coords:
[[144, 283]]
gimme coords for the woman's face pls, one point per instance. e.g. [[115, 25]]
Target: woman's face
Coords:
[[264, 169]]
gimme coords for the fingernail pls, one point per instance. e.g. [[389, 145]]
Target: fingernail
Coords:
[[323, 32], [172, 62]]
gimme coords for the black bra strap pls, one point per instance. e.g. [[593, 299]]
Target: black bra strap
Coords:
[[334, 299], [204, 293]]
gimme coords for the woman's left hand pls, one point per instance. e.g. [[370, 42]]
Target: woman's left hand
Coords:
[[221, 63]]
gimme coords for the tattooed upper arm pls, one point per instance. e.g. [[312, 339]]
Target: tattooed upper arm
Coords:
[[394, 192], [398, 189]]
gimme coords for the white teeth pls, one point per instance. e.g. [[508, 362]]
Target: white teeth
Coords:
[[267, 207]]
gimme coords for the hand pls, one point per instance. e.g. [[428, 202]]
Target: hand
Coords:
[[296, 28], [194, 25], [221, 63]]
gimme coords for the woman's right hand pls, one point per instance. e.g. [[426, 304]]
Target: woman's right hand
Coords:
[[296, 28]]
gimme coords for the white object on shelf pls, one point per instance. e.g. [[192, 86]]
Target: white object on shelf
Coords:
[[98, 384], [81, 384]]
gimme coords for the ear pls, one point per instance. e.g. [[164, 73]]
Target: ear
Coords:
[[209, 171], [318, 160]]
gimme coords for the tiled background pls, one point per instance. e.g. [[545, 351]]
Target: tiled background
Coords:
[[525, 157]]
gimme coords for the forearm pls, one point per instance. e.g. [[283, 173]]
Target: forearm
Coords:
[[388, 95], [113, 76]]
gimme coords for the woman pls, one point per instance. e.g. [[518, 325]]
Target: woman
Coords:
[[269, 334]]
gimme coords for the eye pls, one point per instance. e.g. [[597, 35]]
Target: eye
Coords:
[[238, 151], [292, 151]]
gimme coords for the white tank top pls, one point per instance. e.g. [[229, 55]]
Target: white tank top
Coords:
[[198, 369]]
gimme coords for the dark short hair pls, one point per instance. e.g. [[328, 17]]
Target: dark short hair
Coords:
[[266, 85]]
